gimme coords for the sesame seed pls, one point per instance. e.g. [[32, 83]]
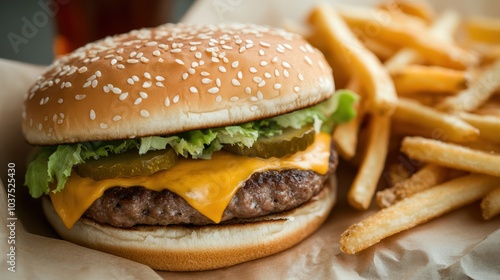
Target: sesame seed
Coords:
[[296, 89], [248, 90], [285, 73], [235, 82], [132, 61], [257, 79], [167, 101], [103, 125], [274, 59], [264, 44], [254, 99], [130, 81], [193, 89], [213, 90], [116, 90], [215, 59], [160, 78], [175, 99], [204, 73], [95, 59], [87, 84], [184, 76], [262, 83], [147, 75], [162, 46], [123, 96], [132, 54], [194, 64], [235, 64], [218, 99], [80, 97], [253, 70], [139, 55], [98, 73], [120, 66], [144, 113], [117, 118], [301, 77], [276, 72], [83, 69], [234, 98], [143, 94], [254, 108], [106, 89], [261, 52], [68, 84], [160, 59], [242, 49], [94, 83], [197, 55], [135, 78], [206, 81], [146, 84], [179, 61], [302, 48], [267, 75], [193, 43], [191, 71], [240, 75], [308, 60], [287, 46], [137, 101], [193, 48], [151, 43], [156, 53], [222, 69], [175, 50], [159, 84], [263, 63], [260, 96], [60, 101], [217, 82], [144, 60], [277, 86], [92, 115], [309, 48]]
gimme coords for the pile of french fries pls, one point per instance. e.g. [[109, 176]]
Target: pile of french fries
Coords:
[[430, 88]]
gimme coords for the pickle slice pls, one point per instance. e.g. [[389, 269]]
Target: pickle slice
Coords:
[[128, 164], [289, 142]]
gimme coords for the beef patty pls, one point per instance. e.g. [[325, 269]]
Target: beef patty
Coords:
[[263, 194]]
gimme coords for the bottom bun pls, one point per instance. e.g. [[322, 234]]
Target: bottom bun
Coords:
[[194, 248]]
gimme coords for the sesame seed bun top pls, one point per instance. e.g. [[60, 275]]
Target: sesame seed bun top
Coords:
[[174, 78]]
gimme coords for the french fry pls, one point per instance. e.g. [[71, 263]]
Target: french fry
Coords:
[[380, 49], [345, 135], [489, 126], [415, 210], [451, 155], [420, 9], [480, 90], [372, 164], [444, 27], [406, 33], [452, 127], [428, 176], [484, 146], [415, 79], [490, 205], [381, 95], [483, 29]]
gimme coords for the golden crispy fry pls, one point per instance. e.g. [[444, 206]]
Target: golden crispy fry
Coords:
[[480, 90], [453, 128], [483, 29], [451, 155], [364, 185], [482, 145], [381, 95], [421, 9], [490, 205], [345, 135], [407, 33], [444, 27], [415, 79], [415, 210], [489, 126], [428, 176]]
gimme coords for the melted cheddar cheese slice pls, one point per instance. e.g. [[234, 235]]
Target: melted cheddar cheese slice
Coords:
[[207, 185]]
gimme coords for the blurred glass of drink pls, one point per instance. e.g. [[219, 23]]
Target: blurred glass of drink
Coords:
[[82, 21]]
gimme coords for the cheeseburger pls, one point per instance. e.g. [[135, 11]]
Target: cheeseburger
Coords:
[[186, 147]]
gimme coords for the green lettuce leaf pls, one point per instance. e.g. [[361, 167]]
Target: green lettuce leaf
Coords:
[[57, 163]]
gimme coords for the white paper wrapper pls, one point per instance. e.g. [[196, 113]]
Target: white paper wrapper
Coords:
[[457, 245]]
